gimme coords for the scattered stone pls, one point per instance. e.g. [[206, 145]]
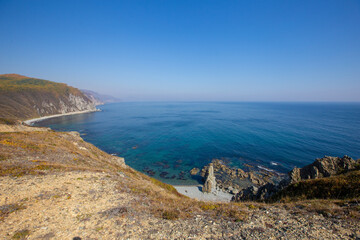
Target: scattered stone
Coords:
[[149, 171], [194, 171], [181, 176], [164, 174], [113, 212]]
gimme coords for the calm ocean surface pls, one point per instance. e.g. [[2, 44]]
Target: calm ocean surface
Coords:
[[169, 139]]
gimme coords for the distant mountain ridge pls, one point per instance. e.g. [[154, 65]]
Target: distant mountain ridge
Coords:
[[98, 98], [23, 97]]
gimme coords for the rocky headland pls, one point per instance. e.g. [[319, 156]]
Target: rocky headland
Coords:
[[23, 98]]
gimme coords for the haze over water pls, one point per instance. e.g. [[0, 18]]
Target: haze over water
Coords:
[[172, 138]]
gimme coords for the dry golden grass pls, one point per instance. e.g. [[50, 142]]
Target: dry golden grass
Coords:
[[23, 234]]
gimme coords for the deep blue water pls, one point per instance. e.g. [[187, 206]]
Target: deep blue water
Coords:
[[175, 137]]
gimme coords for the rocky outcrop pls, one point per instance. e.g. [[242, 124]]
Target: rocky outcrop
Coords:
[[94, 97], [210, 182], [64, 104], [260, 194], [233, 180], [322, 167]]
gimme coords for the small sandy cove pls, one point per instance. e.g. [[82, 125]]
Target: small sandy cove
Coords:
[[195, 192]]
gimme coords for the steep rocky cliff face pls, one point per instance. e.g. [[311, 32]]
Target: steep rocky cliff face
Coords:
[[94, 97], [23, 98]]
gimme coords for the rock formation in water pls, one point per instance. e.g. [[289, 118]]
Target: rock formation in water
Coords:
[[194, 171], [210, 183]]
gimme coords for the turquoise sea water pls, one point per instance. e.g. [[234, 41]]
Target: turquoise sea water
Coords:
[[169, 139]]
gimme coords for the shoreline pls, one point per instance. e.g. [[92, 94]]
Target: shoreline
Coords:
[[31, 122]]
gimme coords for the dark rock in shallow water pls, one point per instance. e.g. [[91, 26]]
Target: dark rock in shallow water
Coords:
[[149, 171], [181, 176], [164, 175], [163, 164]]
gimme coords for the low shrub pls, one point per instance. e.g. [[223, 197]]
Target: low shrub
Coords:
[[170, 214], [23, 234]]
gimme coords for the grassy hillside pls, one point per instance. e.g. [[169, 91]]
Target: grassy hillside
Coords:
[[23, 97]]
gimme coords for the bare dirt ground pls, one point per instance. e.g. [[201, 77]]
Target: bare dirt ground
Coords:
[[98, 206]]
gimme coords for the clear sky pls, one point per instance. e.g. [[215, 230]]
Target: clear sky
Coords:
[[188, 50]]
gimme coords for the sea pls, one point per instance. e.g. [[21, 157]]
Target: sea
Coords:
[[167, 140]]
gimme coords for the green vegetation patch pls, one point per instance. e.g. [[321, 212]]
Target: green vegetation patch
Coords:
[[23, 234], [170, 214], [7, 209], [7, 121], [165, 186], [3, 156]]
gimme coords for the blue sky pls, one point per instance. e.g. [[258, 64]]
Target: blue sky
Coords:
[[188, 50]]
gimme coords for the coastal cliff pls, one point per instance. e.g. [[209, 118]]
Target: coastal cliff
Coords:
[[23, 97]]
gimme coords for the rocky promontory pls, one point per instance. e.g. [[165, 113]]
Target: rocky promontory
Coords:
[[325, 167], [23, 98]]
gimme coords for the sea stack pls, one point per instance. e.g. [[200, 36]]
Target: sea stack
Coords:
[[210, 183]]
